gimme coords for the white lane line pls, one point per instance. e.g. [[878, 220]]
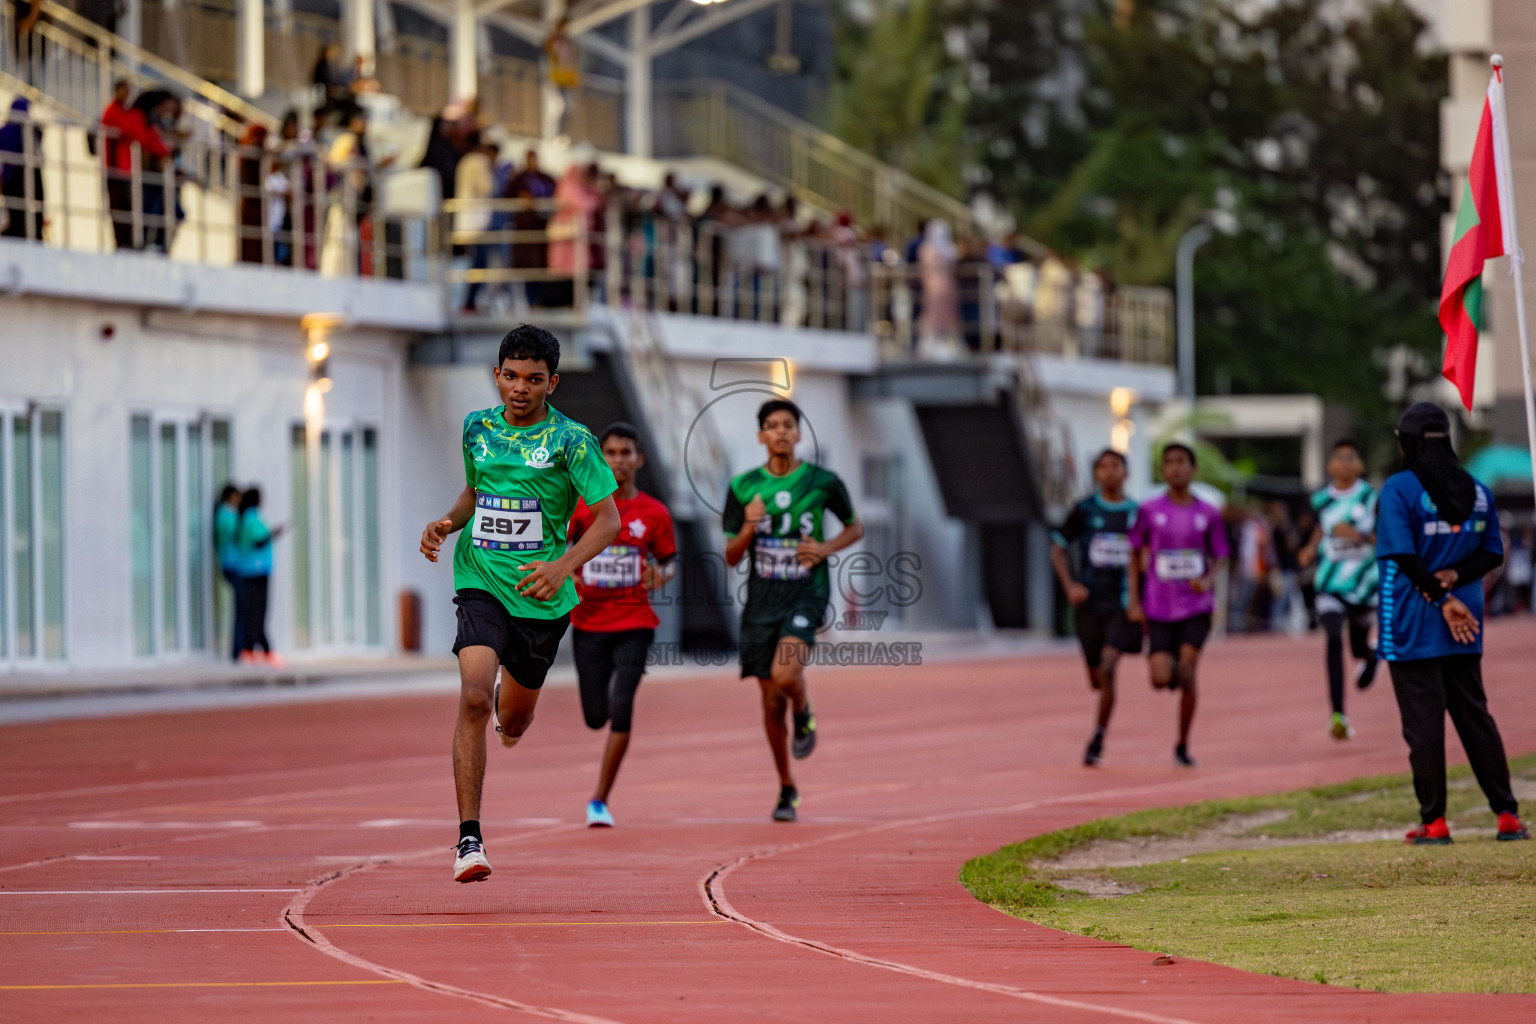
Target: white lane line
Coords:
[[165, 824], [127, 856], [126, 892], [293, 919]]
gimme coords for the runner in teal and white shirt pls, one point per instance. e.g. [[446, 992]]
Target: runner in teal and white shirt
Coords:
[[1344, 546]]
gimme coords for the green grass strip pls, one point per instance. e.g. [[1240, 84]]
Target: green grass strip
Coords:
[[1376, 915]]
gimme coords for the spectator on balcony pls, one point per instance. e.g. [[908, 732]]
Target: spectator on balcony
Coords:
[[475, 181], [563, 72], [23, 219], [849, 268], [333, 84], [447, 142], [937, 257], [576, 202], [253, 199], [28, 47], [538, 184], [350, 178], [137, 159], [294, 196]]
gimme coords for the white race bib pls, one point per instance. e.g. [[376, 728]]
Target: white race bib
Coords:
[[1185, 564], [507, 524], [1342, 549], [1109, 551], [615, 567], [775, 558]]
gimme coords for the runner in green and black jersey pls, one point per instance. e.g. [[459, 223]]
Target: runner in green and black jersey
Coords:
[[1344, 545], [775, 512], [1090, 553], [525, 465]]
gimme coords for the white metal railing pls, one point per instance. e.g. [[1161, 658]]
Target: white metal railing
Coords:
[[74, 62], [84, 187], [542, 253], [711, 118]]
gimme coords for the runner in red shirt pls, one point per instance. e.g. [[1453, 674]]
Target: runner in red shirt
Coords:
[[613, 626]]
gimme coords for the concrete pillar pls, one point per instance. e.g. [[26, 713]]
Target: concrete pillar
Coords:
[[639, 137], [358, 17], [250, 48], [131, 25], [463, 77]]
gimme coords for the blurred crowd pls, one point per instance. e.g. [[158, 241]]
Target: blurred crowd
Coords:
[[525, 238], [1271, 579]]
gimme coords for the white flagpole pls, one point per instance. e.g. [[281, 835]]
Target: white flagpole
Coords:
[[1516, 265]]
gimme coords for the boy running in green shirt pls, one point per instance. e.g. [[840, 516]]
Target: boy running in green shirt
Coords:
[[525, 464], [775, 512]]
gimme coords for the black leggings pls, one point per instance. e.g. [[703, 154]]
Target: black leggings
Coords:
[[608, 669], [1333, 616], [256, 613]]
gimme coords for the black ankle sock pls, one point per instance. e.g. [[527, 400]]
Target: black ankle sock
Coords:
[[1180, 750], [1098, 735], [469, 829]]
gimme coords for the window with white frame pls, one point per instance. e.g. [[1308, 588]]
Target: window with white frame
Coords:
[[31, 533], [337, 581], [176, 464]]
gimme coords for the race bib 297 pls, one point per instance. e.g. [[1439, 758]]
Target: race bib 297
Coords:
[[507, 524]]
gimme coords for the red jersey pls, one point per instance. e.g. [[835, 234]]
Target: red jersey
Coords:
[[612, 598]]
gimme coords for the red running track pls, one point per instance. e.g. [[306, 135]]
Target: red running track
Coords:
[[261, 863]]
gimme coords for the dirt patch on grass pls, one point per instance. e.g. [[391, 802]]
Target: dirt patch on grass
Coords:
[[1238, 832]]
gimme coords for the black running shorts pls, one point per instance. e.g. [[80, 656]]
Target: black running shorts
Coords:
[[760, 634], [1168, 637], [525, 647], [1098, 628]]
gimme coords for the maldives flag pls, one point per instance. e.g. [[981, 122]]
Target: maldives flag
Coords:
[[1485, 228]]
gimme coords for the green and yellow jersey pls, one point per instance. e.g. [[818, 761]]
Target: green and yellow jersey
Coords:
[[526, 482]]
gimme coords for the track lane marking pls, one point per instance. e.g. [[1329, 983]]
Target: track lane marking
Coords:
[[198, 984], [293, 919], [442, 924], [712, 890], [129, 892]]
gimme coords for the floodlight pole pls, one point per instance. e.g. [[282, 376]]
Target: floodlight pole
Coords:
[[1184, 283]]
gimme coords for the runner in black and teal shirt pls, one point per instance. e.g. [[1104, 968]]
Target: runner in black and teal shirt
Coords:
[[1344, 546], [1090, 554], [774, 513], [525, 465]]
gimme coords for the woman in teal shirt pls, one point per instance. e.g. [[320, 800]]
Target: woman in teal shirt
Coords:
[[226, 524], [254, 543]]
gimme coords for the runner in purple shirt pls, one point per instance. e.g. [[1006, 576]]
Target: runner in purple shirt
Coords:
[[1180, 544]]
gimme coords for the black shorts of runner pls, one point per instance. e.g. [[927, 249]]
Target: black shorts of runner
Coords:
[[1098, 628], [608, 670], [525, 647], [1168, 637], [760, 635]]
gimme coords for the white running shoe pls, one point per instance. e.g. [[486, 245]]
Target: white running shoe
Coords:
[[469, 863], [598, 815]]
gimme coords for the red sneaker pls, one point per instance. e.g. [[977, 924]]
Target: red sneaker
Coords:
[[1511, 827], [1436, 833]]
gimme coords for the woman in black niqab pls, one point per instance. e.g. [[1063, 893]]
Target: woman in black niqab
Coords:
[[1424, 435]]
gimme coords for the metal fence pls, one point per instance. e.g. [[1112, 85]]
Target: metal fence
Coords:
[[525, 254]]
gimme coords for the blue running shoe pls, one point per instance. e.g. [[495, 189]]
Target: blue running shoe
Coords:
[[598, 815]]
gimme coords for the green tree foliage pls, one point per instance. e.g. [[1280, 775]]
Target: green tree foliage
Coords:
[[1111, 126], [898, 93]]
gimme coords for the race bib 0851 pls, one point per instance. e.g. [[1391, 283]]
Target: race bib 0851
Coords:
[[1181, 564], [776, 558], [507, 524], [616, 566]]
